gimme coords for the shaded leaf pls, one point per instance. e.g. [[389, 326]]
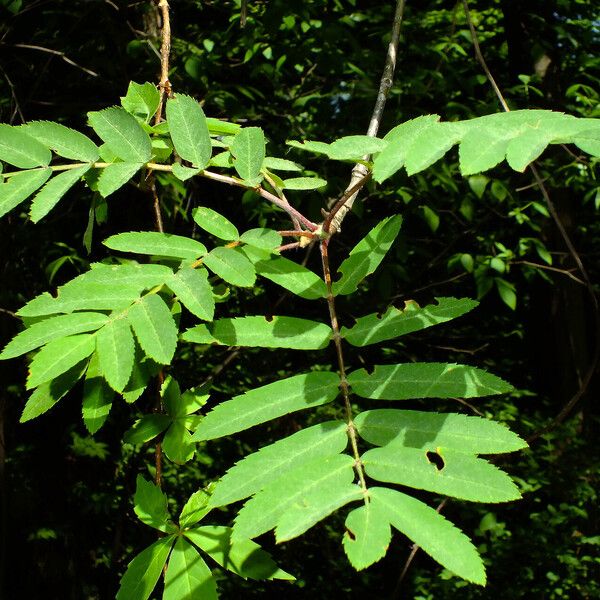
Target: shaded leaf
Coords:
[[178, 444], [375, 328], [427, 430], [141, 100], [255, 471], [194, 509], [47, 198], [278, 332], [121, 132], [193, 290], [268, 402], [443, 471], [425, 380], [150, 506], [97, 397], [365, 257], [154, 327], [64, 141], [432, 532], [116, 351], [146, 428], [293, 277], [188, 577]]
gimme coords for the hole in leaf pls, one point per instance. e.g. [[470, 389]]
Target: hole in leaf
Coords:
[[350, 534], [268, 318], [435, 459]]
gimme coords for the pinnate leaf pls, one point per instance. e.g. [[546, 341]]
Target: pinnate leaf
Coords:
[[194, 509], [194, 291], [97, 397], [188, 576], [255, 471], [215, 223], [116, 351], [188, 129], [278, 332], [154, 327], [123, 135], [266, 239], [268, 402], [365, 257], [248, 150], [354, 147], [141, 100], [19, 187], [146, 428], [375, 328], [64, 141], [47, 198], [21, 150], [154, 242], [48, 394], [368, 535], [150, 506], [241, 556], [49, 329], [115, 176], [304, 183], [430, 531], [428, 430], [293, 277], [312, 484], [425, 380], [443, 471], [178, 444], [58, 356], [144, 570], [231, 265]]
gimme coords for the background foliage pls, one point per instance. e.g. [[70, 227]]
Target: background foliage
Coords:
[[311, 70]]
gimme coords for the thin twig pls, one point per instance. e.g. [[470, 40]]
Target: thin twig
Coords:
[[17, 109], [165, 51], [9, 312], [549, 268], [344, 387], [57, 53], [385, 85]]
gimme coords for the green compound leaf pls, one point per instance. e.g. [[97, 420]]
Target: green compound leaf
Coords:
[[178, 444], [144, 570], [265, 239], [21, 150], [304, 183], [194, 291], [141, 100], [278, 332], [375, 328], [281, 164], [319, 486], [19, 187], [399, 140], [268, 402], [365, 257], [293, 277], [66, 142], [122, 133], [116, 352], [354, 147], [146, 428], [156, 243], [368, 535], [215, 223], [194, 509], [243, 557], [150, 506], [248, 150], [184, 173], [427, 430], [481, 150], [58, 356], [48, 394], [97, 397], [188, 129], [425, 380], [188, 576], [50, 329], [220, 127], [310, 146], [431, 531], [154, 327], [443, 471], [47, 198], [231, 266], [430, 144], [525, 148], [254, 472], [116, 176]]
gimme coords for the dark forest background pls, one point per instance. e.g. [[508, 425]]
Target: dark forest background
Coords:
[[310, 69]]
